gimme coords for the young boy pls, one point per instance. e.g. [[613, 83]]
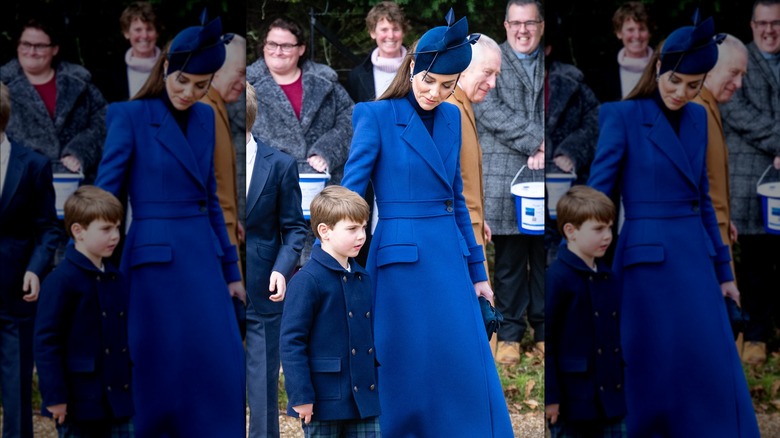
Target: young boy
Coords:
[[326, 336], [29, 234], [275, 232], [584, 365], [81, 328]]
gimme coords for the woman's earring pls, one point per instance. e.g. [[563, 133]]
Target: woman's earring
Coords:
[[411, 77], [657, 77]]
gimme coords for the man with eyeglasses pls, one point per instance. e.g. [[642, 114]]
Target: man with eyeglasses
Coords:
[[510, 123], [751, 124]]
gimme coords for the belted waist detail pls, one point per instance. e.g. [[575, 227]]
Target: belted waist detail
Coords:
[[662, 209], [168, 209], [411, 209]]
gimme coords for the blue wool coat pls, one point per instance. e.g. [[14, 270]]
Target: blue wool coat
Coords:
[[184, 339], [583, 367], [327, 341], [438, 376], [683, 377], [81, 348]]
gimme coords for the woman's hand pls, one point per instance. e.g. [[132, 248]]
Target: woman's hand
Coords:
[[483, 290], [318, 163], [564, 163], [551, 412], [71, 163], [237, 290], [730, 290]]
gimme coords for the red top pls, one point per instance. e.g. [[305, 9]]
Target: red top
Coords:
[[48, 93], [294, 93]]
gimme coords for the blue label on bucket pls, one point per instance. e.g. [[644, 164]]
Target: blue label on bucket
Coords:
[[529, 211], [776, 211]]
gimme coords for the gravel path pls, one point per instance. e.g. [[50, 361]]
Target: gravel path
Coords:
[[525, 426]]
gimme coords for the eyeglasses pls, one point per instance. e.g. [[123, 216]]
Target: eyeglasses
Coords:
[[286, 48], [764, 24], [530, 24], [30, 47]]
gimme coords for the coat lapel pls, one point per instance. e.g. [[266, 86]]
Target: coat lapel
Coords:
[[416, 136], [260, 173], [664, 138], [172, 139], [12, 177]]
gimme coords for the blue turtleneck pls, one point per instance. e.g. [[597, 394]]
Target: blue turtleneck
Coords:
[[425, 116]]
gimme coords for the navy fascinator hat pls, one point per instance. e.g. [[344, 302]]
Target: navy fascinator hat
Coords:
[[199, 49], [691, 49], [445, 49]]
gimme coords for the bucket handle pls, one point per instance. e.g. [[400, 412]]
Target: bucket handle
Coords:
[[763, 175], [516, 175]]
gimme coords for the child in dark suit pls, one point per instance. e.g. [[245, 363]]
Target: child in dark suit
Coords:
[[584, 365], [81, 327], [28, 239], [327, 336]]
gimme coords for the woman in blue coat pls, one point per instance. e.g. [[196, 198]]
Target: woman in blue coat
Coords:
[[436, 376], [682, 377], [188, 361]]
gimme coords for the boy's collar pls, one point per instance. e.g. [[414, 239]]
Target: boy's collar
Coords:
[[327, 260], [571, 259], [83, 262]]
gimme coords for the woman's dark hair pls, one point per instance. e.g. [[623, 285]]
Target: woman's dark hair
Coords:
[[648, 82], [285, 23], [155, 83], [401, 84]]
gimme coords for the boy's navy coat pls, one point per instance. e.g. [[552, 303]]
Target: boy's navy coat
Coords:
[[327, 341], [81, 348], [28, 226], [275, 227], [583, 361]]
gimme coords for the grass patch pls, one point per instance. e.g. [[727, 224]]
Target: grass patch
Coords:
[[764, 384]]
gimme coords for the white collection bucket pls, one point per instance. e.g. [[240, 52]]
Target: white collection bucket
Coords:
[[311, 185], [769, 192], [529, 202], [557, 185], [64, 186]]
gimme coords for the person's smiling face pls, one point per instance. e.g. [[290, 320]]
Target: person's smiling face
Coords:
[[635, 38], [389, 37], [524, 28]]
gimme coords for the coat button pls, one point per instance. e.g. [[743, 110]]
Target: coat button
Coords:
[[355, 388], [121, 314], [108, 388], [449, 209], [108, 351], [596, 314], [614, 314], [350, 314], [448, 203], [105, 315], [360, 277], [370, 350], [354, 352], [368, 314], [344, 278], [124, 350], [372, 387], [126, 387], [598, 351], [97, 278], [617, 350], [601, 388], [618, 386]]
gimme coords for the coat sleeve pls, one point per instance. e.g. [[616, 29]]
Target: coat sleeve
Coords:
[[610, 150], [87, 144], [756, 127], [49, 341], [476, 255], [117, 151], [46, 223], [230, 268], [333, 145], [292, 225], [364, 150], [297, 321]]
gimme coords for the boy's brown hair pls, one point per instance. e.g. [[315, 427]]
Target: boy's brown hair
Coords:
[[335, 203], [89, 203], [251, 106], [582, 203]]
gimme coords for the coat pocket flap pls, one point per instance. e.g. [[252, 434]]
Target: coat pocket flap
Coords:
[[151, 254], [643, 254], [326, 365], [401, 253], [81, 365], [574, 365]]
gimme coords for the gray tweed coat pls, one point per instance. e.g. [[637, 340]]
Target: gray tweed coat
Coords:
[[751, 123], [572, 120], [510, 122], [78, 127], [325, 127]]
